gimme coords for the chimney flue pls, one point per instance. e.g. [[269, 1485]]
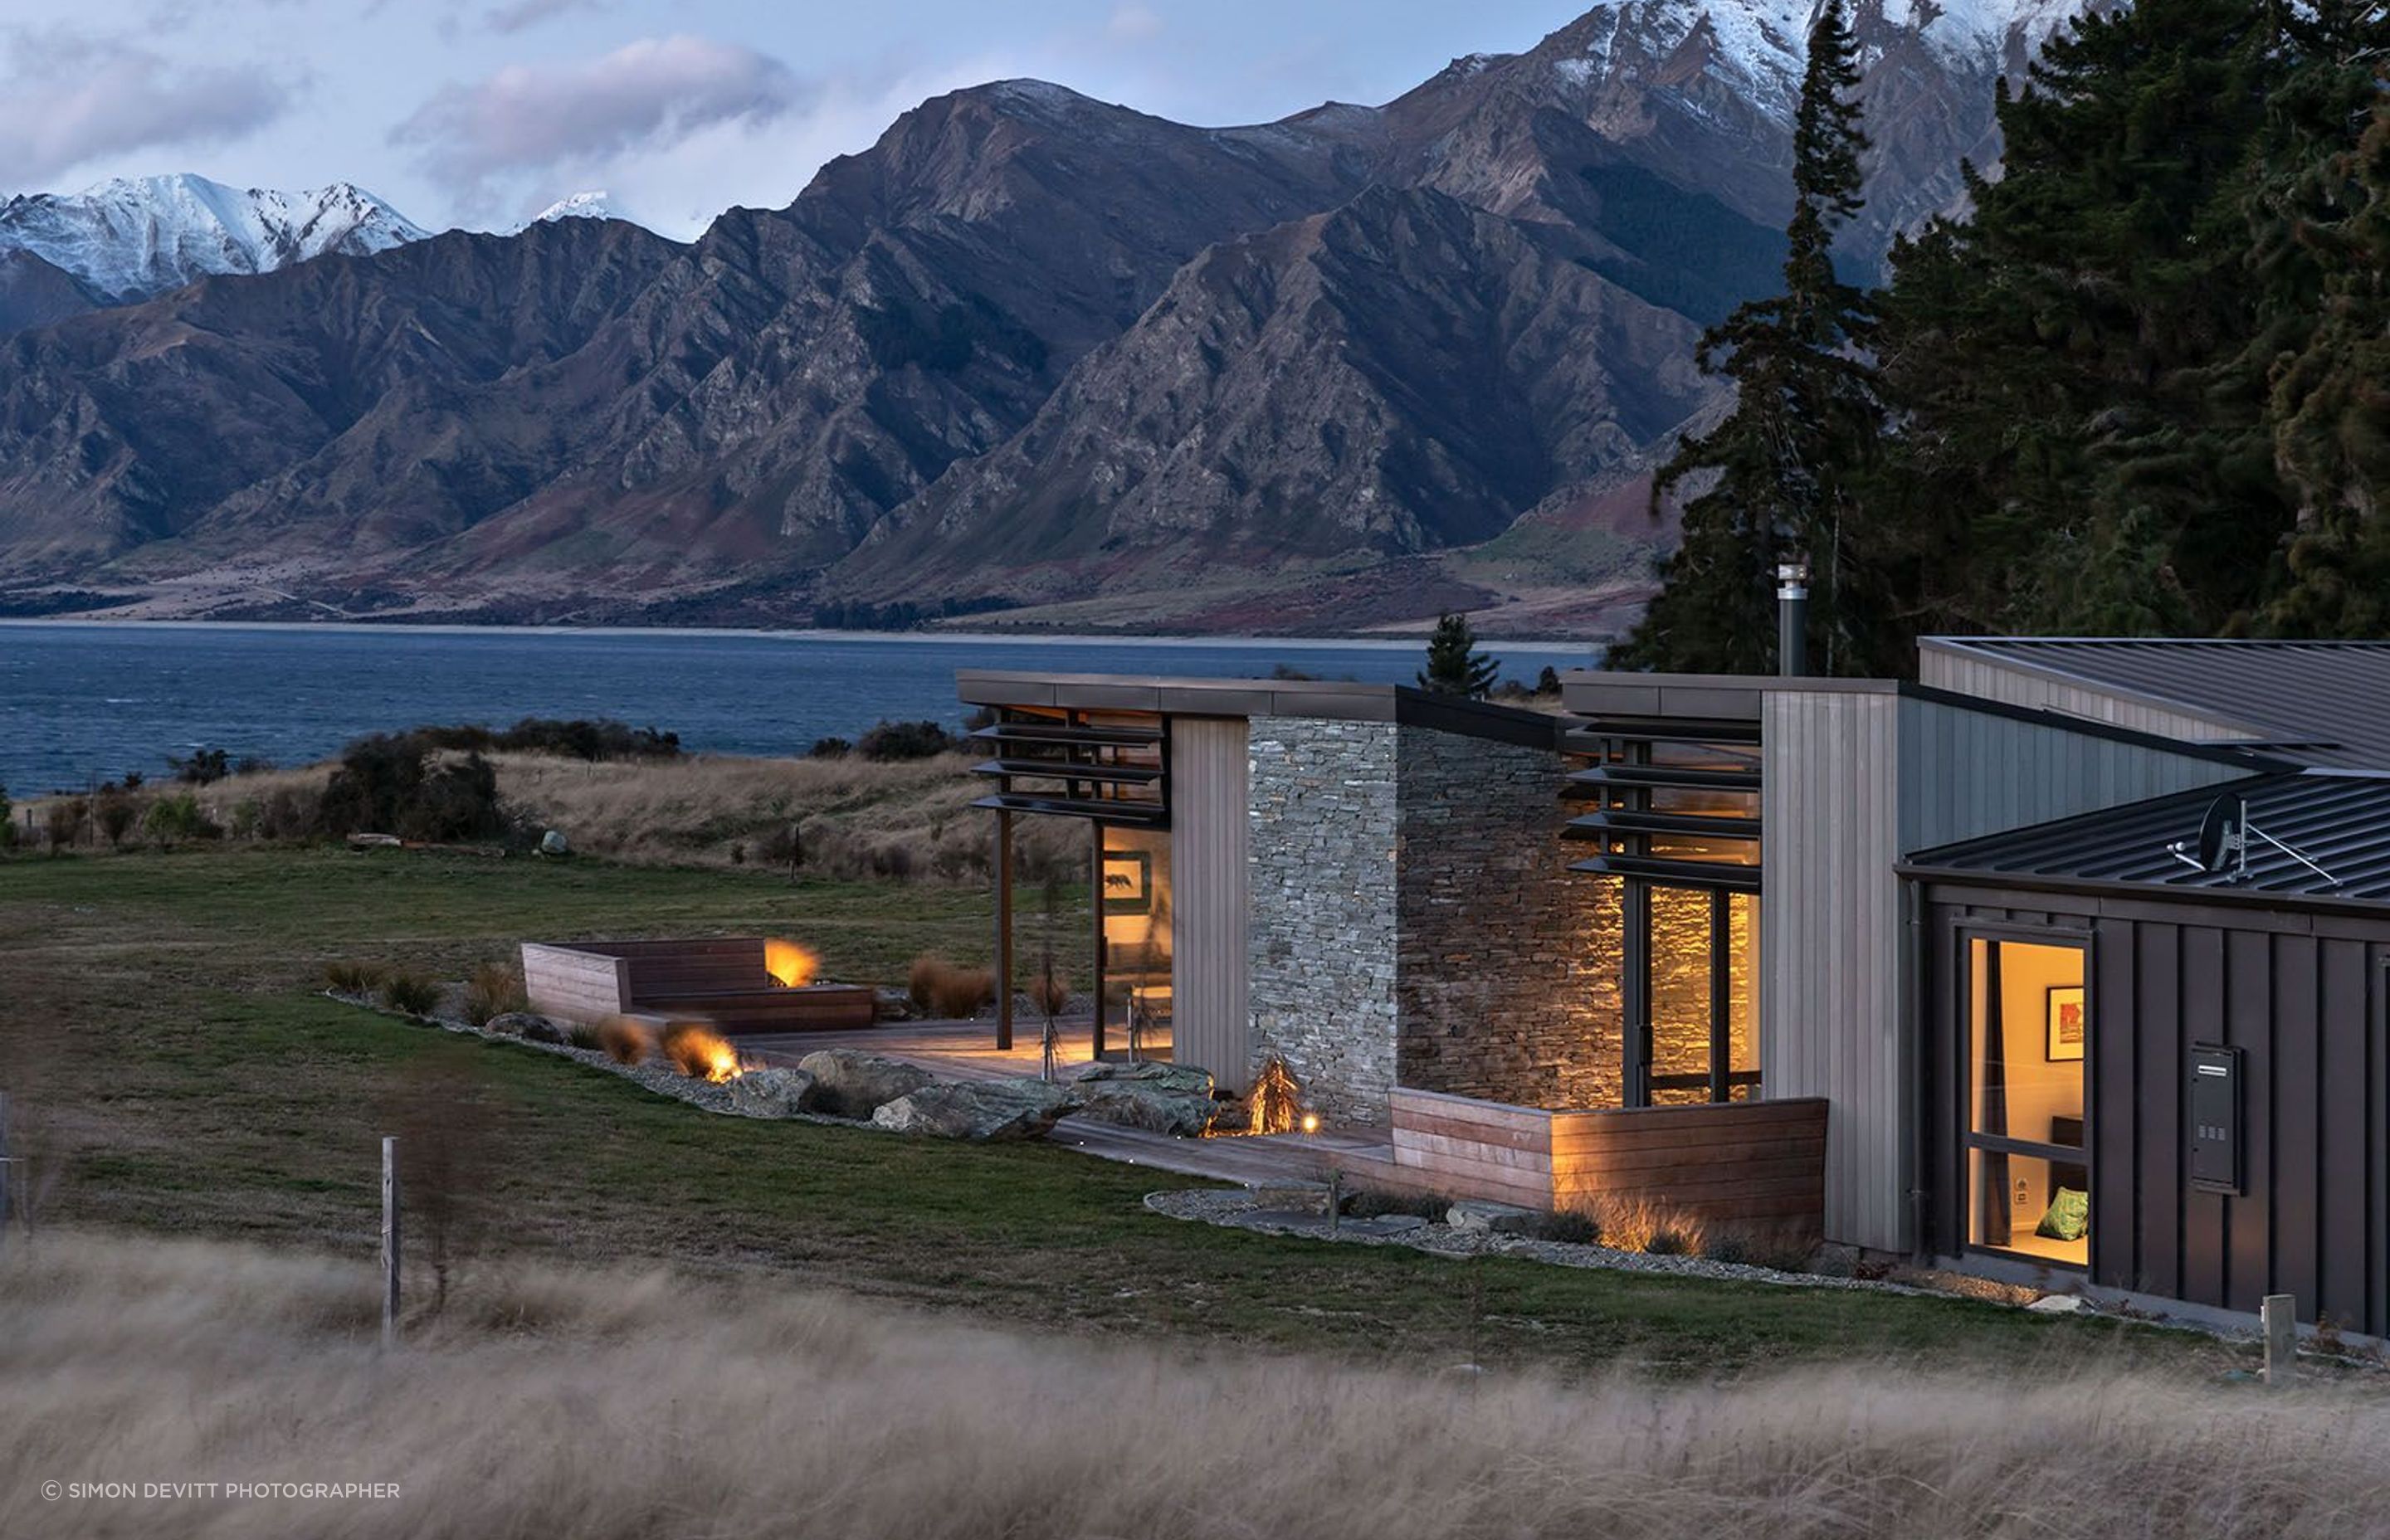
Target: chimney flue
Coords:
[[1792, 617]]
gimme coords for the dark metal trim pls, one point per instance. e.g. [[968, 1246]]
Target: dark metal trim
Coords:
[[1666, 776], [1675, 874], [1590, 825], [1128, 813], [1069, 770]]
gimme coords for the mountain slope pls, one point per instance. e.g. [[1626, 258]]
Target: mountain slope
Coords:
[[128, 240], [1028, 346]]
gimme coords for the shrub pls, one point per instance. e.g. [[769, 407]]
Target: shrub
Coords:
[[921, 978], [495, 989], [894, 740], [699, 1052], [1570, 1227], [64, 822], [351, 977], [393, 784], [892, 860], [410, 993], [1669, 1240], [626, 1042], [1049, 992], [171, 821], [1724, 1245], [581, 1035], [8, 820], [205, 767], [115, 814], [957, 993], [246, 815], [831, 748], [290, 813]]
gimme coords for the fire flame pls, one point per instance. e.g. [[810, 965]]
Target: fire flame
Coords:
[[702, 1053], [790, 964]]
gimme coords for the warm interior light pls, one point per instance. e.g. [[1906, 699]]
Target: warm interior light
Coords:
[[793, 966]]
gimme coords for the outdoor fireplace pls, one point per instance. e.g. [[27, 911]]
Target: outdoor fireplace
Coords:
[[745, 984]]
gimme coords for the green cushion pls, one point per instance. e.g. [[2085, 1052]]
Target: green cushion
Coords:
[[2069, 1216]]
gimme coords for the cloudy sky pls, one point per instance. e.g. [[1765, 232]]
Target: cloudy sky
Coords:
[[480, 112]]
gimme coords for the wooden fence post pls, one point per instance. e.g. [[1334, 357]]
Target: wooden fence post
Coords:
[[2279, 1312], [389, 1242], [8, 1175]]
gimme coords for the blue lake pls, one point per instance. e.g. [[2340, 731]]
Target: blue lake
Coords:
[[81, 703]]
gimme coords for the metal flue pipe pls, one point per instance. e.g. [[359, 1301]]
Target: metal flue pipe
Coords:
[[1792, 617]]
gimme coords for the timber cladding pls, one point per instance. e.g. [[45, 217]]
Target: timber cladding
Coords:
[[1757, 1164]]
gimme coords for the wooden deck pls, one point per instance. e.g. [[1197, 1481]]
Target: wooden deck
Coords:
[[965, 1051]]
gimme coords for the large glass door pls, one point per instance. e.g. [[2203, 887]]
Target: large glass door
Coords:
[[2027, 1159]]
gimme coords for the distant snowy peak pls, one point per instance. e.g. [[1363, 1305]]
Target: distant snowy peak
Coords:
[[1756, 49], [598, 204], [132, 238]]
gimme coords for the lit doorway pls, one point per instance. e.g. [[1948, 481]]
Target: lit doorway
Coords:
[[2028, 1037]]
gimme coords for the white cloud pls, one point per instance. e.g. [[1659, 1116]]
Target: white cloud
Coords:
[[65, 100], [1134, 24], [644, 95]]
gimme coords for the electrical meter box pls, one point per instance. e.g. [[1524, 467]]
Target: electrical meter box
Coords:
[[2214, 1128]]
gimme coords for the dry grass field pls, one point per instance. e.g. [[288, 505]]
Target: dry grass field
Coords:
[[613, 1404]]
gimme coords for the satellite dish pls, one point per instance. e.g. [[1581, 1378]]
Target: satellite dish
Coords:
[[2220, 833], [2222, 847]]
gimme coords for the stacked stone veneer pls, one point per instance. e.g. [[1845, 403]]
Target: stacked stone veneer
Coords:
[[1507, 967], [1323, 911], [1414, 921]]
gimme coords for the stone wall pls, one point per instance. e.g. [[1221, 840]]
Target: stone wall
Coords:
[[1323, 915], [1506, 975]]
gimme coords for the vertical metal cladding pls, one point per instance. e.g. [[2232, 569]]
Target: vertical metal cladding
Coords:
[[1211, 914]]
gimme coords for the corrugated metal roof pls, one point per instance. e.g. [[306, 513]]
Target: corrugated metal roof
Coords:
[[2340, 822], [2325, 702]]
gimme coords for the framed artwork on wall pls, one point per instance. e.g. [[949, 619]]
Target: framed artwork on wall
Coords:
[[2066, 1022], [1128, 882]]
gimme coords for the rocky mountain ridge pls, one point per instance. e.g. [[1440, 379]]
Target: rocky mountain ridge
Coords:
[[1029, 349]]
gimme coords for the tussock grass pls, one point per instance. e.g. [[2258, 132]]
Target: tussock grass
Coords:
[[596, 1406]]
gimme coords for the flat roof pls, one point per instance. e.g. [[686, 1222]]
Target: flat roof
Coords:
[[1713, 696], [1328, 699], [2321, 703], [2338, 819]]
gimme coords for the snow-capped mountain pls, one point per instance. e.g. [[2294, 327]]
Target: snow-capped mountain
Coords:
[[596, 204], [132, 238]]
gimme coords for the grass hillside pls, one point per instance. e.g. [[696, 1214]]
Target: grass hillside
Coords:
[[175, 1071]]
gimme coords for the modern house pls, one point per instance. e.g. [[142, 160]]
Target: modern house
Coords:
[[2072, 957]]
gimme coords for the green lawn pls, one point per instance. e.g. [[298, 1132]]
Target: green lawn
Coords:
[[164, 1032]]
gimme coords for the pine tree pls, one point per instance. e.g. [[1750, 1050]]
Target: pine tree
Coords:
[[2073, 453], [1770, 480], [1454, 666], [2320, 216]]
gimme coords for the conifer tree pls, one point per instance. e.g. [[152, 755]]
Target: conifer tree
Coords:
[[1770, 480], [1454, 664], [2071, 453]]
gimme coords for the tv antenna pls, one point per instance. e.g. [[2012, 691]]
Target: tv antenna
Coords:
[[2222, 846]]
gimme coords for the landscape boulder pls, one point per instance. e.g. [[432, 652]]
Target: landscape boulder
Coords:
[[848, 1084], [1484, 1216], [525, 1024], [1164, 1099], [770, 1093], [983, 1109]]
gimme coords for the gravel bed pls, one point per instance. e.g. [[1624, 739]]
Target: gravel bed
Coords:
[[1246, 1209], [660, 1078]]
